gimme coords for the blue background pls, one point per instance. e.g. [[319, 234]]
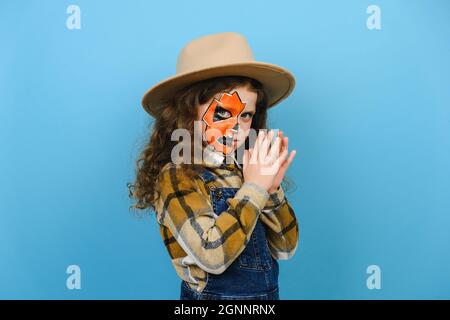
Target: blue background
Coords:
[[370, 118]]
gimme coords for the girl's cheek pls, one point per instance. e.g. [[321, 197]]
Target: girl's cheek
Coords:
[[245, 127]]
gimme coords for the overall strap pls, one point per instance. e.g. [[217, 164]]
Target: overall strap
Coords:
[[207, 176]]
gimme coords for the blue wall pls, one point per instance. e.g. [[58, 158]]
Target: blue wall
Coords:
[[370, 117]]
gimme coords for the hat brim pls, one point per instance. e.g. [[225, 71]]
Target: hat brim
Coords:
[[278, 83]]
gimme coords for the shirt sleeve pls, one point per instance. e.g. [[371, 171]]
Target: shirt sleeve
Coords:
[[212, 240], [281, 225]]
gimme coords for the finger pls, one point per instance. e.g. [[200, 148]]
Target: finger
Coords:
[[265, 145], [283, 156], [275, 149], [286, 142], [280, 135], [279, 164], [256, 155], [288, 161], [256, 146], [272, 151], [291, 157], [284, 147], [276, 165]]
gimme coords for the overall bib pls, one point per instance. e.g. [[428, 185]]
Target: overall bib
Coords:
[[252, 275]]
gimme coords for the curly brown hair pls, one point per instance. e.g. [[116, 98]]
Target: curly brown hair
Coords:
[[181, 112]]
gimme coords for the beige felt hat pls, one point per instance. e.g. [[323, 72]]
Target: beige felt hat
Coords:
[[216, 55]]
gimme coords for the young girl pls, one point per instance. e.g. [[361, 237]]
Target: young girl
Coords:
[[224, 218]]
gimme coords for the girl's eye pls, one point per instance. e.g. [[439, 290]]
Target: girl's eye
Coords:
[[247, 115], [221, 114]]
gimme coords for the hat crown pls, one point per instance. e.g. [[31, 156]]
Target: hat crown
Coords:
[[214, 50], [218, 55]]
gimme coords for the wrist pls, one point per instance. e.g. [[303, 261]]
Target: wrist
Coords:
[[273, 190]]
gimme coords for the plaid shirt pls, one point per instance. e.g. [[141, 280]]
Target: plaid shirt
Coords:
[[198, 240]]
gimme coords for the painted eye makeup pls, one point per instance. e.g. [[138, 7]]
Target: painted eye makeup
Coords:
[[221, 114]]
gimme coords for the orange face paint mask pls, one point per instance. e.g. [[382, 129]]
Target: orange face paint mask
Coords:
[[221, 120]]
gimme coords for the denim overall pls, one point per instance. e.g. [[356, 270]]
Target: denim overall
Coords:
[[253, 275]]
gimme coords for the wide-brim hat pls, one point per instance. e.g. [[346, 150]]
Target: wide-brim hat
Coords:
[[216, 55]]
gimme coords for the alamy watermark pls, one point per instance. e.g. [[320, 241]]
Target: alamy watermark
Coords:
[[73, 281], [182, 152], [374, 279], [73, 21], [373, 21]]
